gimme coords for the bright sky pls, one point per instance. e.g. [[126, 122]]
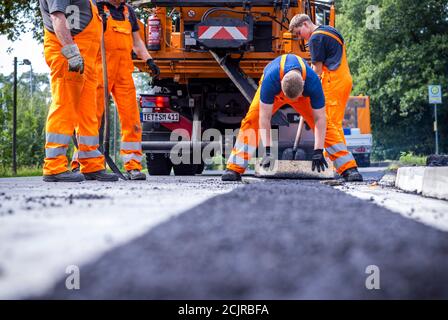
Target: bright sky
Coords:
[[24, 48]]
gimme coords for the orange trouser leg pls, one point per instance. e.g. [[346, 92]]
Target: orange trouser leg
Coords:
[[247, 139], [62, 117], [337, 92], [124, 94], [99, 94], [87, 155]]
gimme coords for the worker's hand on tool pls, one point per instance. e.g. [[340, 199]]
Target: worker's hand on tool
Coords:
[[75, 60], [267, 162], [319, 161], [155, 71]]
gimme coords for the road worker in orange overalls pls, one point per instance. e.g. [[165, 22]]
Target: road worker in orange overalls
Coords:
[[288, 79], [121, 38], [329, 61], [71, 46]]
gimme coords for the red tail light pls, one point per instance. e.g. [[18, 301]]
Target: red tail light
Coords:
[[147, 101]]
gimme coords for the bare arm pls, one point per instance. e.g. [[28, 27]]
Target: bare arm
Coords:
[[139, 47], [318, 68], [320, 122], [60, 28], [264, 123]]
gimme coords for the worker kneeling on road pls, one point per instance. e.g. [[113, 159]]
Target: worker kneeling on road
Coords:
[[71, 54], [286, 80], [329, 61], [121, 38]]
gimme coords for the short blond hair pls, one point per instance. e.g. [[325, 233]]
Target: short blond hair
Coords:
[[298, 20], [292, 84]]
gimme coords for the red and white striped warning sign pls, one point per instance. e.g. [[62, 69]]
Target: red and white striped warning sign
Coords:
[[222, 33]]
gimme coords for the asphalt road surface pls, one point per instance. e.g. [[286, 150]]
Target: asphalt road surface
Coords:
[[200, 238]]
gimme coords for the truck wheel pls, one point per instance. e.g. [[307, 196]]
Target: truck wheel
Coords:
[[200, 168], [363, 160], [185, 169], [159, 164]]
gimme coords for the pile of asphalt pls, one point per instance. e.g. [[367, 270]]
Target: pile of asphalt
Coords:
[[273, 240], [437, 160]]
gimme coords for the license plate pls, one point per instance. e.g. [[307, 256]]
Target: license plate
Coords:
[[161, 117]]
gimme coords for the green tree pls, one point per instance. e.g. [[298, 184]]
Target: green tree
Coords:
[[18, 17], [31, 115], [394, 65]]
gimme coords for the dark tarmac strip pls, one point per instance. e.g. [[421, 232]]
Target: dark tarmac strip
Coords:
[[273, 240]]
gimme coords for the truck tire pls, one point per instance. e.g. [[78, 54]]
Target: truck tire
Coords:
[[185, 169], [363, 161], [159, 164], [200, 168]]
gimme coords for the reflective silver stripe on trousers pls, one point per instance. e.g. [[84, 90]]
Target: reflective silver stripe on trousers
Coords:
[[128, 157], [235, 159], [54, 152], [89, 140], [75, 155], [339, 162], [336, 148], [58, 138], [89, 154], [242, 147], [131, 146]]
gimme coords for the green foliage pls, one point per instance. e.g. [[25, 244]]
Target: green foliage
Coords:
[[410, 159], [31, 116], [21, 172], [18, 17], [394, 65]]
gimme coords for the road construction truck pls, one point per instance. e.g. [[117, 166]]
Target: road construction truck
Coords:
[[211, 55]]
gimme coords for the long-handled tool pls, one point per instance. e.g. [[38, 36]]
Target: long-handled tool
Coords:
[[106, 137], [295, 153]]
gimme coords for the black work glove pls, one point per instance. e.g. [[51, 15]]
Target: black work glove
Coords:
[[319, 161], [268, 160], [155, 71]]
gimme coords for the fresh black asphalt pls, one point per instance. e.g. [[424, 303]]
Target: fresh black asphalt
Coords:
[[273, 240]]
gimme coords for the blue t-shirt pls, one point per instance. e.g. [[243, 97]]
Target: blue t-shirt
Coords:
[[271, 85], [325, 49]]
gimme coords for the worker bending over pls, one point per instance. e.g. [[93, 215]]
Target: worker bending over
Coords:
[[121, 38], [329, 61], [71, 54], [286, 80]]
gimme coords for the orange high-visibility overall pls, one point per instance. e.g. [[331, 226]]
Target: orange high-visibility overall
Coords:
[[73, 103], [248, 137], [337, 85]]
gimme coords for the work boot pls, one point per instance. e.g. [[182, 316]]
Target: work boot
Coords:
[[136, 175], [75, 170], [352, 175], [231, 175], [101, 175], [66, 176]]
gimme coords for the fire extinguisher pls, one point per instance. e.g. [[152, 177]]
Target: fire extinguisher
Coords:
[[154, 32]]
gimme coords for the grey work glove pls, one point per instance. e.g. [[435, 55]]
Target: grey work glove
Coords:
[[319, 161], [75, 60], [267, 162]]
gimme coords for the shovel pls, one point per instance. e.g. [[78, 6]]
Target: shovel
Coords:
[[294, 153], [106, 137]]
